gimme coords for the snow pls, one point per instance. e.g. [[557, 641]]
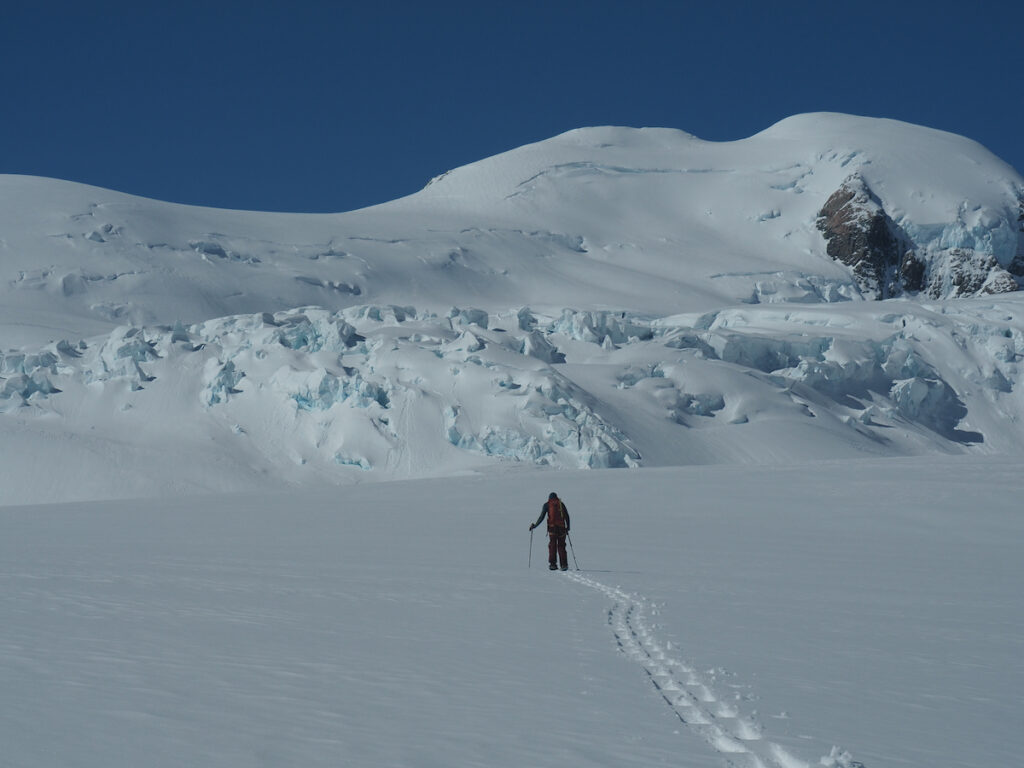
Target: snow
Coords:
[[375, 393], [762, 616], [267, 477], [591, 219]]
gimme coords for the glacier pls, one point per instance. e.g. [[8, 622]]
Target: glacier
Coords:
[[609, 297], [389, 392], [267, 477]]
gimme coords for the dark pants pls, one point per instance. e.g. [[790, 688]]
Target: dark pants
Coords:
[[556, 546]]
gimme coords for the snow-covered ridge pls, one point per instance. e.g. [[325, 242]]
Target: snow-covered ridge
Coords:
[[594, 218], [625, 297]]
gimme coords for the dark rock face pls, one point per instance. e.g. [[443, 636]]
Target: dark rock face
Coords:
[[1000, 282], [860, 234], [1016, 267], [965, 272], [885, 262], [912, 272]]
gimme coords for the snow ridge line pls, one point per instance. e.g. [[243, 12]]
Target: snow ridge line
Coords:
[[736, 738]]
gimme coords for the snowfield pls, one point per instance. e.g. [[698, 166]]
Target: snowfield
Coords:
[[266, 478], [748, 617]]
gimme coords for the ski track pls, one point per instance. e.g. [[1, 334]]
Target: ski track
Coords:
[[737, 738]]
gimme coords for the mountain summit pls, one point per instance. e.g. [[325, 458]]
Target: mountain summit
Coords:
[[596, 218], [608, 297]]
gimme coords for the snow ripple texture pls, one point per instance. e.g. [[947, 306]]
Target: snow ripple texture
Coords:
[[737, 738]]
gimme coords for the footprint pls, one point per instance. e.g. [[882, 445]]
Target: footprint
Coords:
[[703, 693], [727, 745], [747, 730], [785, 760], [735, 737], [726, 710]]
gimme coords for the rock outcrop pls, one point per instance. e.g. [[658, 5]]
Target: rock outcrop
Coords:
[[960, 272], [886, 262], [861, 235]]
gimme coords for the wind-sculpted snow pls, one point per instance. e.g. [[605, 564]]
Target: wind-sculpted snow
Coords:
[[388, 391]]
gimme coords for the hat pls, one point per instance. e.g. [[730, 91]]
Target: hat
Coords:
[[552, 495]]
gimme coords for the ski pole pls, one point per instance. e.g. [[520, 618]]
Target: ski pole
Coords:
[[529, 563], [567, 536]]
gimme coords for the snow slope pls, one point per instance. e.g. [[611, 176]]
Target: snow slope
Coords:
[[598, 218], [800, 615], [808, 553], [610, 297]]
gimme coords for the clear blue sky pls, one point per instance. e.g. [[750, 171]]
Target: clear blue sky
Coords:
[[330, 106]]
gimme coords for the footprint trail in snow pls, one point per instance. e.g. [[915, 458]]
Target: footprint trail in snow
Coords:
[[737, 738]]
